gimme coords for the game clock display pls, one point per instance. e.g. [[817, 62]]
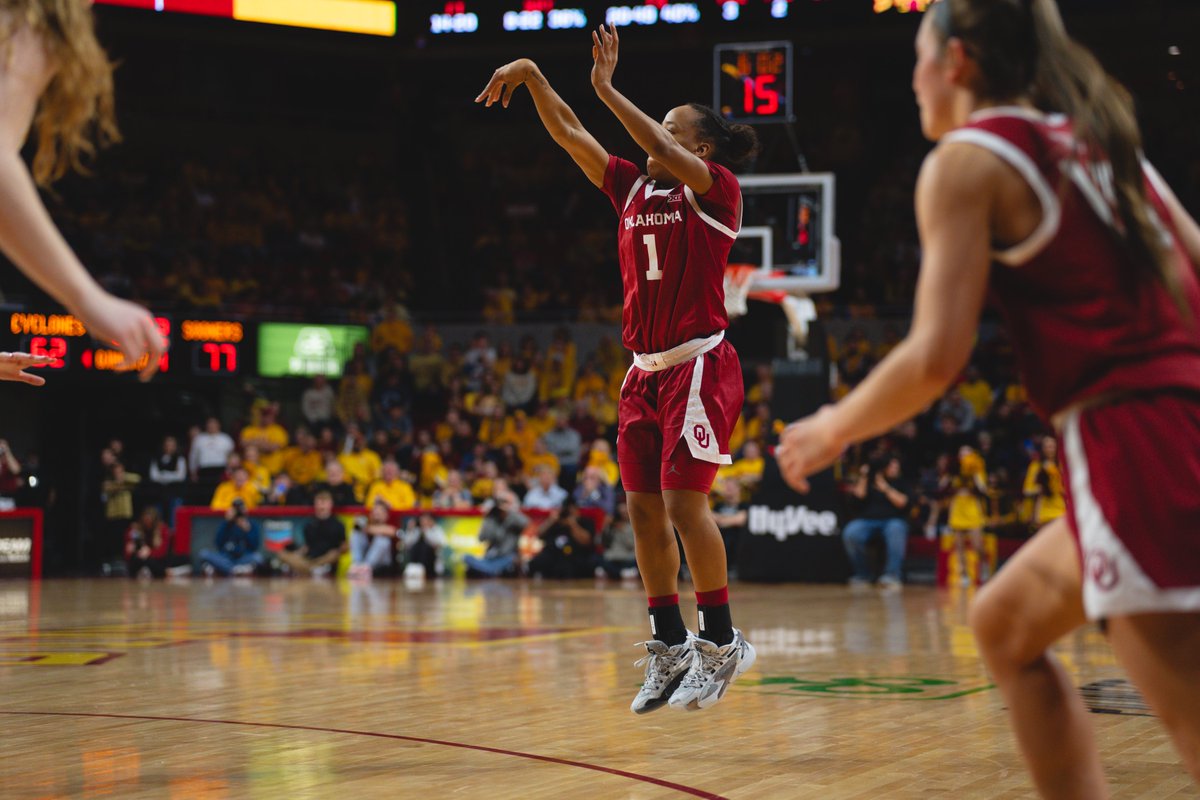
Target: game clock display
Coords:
[[200, 348], [752, 82]]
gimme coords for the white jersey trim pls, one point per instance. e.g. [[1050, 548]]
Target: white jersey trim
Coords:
[[1022, 253], [1114, 584], [697, 430], [636, 185], [1020, 112], [695, 204]]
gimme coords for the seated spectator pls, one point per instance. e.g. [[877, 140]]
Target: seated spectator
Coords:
[[620, 553], [954, 405], [730, 513], [392, 489], [590, 380], [538, 459], [433, 470], [260, 476], [583, 423], [501, 531], [565, 444], [760, 427], [885, 495], [600, 457], [147, 545], [568, 545], [763, 388], [316, 404], [284, 493], [544, 494], [976, 391], [208, 454], [303, 462], [393, 330], [423, 543], [236, 548], [265, 433], [238, 487], [511, 466], [594, 492], [747, 470], [336, 485], [363, 465], [324, 541], [484, 485], [168, 473], [371, 542], [452, 494]]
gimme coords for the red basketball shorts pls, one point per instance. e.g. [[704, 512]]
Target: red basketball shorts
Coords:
[[674, 424], [1132, 471]]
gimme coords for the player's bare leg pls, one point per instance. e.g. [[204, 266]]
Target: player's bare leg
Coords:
[[1161, 653], [722, 653], [657, 553], [1030, 604]]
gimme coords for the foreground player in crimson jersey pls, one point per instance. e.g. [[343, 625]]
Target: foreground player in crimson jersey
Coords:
[[1038, 192], [54, 74], [682, 397]]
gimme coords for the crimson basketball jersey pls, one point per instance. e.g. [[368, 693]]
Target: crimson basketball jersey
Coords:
[[673, 246], [1081, 323]]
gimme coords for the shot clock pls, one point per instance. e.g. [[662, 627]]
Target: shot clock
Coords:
[[752, 81]]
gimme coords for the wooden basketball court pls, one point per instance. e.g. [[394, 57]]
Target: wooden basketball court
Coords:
[[302, 688]]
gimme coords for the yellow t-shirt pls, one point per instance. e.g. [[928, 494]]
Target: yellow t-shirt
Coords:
[[979, 395], [224, 496], [362, 468], [432, 471], [534, 461], [482, 488], [303, 468], [260, 476], [398, 494], [587, 384], [612, 473], [273, 433], [394, 333]]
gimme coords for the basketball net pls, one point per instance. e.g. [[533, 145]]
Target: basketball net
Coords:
[[799, 310]]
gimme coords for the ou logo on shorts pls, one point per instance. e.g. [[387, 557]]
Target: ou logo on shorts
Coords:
[[1101, 568], [700, 433]]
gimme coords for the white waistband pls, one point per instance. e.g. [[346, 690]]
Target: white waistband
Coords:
[[656, 362]]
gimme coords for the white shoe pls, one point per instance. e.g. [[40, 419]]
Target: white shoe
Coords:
[[713, 669], [889, 584], [665, 668]]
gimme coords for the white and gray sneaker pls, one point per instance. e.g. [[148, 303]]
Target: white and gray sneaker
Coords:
[[713, 668], [665, 668]]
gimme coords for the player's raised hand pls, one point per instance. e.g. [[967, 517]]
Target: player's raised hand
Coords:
[[128, 327], [13, 366], [604, 53], [504, 82], [807, 446]]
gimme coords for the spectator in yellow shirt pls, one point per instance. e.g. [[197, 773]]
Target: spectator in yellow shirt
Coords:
[[362, 466], [393, 330], [303, 463], [391, 489], [763, 387], [590, 380], [558, 368], [521, 435], [1044, 486], [600, 457], [260, 476], [539, 457], [239, 486], [433, 471], [484, 484], [268, 436], [542, 421], [760, 426], [976, 391], [747, 470]]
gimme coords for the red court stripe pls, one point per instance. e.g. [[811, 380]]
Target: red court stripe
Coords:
[[417, 739]]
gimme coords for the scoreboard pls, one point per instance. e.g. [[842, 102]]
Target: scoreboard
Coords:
[[202, 347]]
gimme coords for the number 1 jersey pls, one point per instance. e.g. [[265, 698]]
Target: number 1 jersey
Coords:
[[673, 246]]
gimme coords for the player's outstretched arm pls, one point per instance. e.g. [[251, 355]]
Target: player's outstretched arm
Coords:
[[13, 366], [954, 218], [651, 136], [560, 121], [27, 234]]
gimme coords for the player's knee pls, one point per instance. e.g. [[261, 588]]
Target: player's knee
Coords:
[[998, 632], [688, 511]]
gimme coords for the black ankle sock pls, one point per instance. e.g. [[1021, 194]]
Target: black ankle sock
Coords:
[[666, 625], [715, 624]]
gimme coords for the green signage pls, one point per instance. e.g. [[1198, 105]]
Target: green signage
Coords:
[[287, 349]]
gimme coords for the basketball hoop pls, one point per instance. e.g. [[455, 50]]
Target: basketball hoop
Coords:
[[797, 307], [738, 278]]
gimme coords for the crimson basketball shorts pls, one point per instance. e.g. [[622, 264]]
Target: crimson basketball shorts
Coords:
[[1132, 471], [674, 425]]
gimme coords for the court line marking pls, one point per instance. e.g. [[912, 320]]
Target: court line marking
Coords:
[[688, 790]]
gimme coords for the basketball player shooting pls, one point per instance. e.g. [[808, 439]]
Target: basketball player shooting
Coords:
[[54, 73], [677, 221]]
